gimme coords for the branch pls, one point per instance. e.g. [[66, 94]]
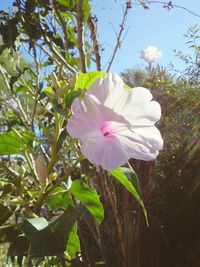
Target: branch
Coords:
[[21, 111], [37, 90], [80, 38], [62, 23], [57, 55], [122, 26], [169, 5], [96, 47]]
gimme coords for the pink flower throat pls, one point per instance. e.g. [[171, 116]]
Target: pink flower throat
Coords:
[[105, 129]]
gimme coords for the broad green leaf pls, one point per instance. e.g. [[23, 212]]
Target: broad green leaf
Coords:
[[85, 80], [52, 239], [64, 223], [86, 10], [73, 244], [131, 185], [68, 3], [39, 223], [132, 176], [11, 143], [71, 96], [49, 91], [89, 198], [58, 199], [5, 213]]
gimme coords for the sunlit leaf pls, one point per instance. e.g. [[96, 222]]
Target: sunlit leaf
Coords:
[[131, 185], [86, 10], [73, 244], [58, 199], [38, 223], [89, 198], [11, 143], [85, 80]]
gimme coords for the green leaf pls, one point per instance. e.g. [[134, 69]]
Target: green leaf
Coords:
[[49, 91], [132, 176], [38, 223], [73, 244], [85, 80], [52, 239], [86, 10], [12, 143], [58, 199], [71, 96], [5, 213], [68, 3], [89, 198], [131, 185]]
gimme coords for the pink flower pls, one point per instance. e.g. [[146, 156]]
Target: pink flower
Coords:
[[115, 124]]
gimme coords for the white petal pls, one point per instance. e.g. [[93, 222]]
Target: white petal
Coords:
[[88, 115], [150, 135], [106, 153], [131, 98], [136, 106], [144, 114], [137, 147], [108, 90], [85, 119]]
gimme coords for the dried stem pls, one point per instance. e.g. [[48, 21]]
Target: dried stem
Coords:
[[96, 47], [37, 89], [87, 258], [113, 203], [122, 26], [29, 256], [80, 38]]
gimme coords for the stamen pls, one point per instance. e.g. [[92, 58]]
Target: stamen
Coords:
[[106, 133]]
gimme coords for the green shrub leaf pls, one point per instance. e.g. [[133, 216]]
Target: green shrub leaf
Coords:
[[89, 198], [85, 80], [132, 185]]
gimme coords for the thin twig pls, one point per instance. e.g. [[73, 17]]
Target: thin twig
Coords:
[[29, 256], [43, 195], [80, 37], [57, 55], [170, 5], [113, 204], [37, 88], [20, 110], [122, 26], [96, 47], [61, 21]]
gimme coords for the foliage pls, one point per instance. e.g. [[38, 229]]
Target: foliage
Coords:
[[46, 187], [173, 192], [192, 62], [76, 214]]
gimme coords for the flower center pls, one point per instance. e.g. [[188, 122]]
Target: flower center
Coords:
[[105, 129]]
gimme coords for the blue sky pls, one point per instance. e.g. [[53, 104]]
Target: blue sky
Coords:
[[146, 27]]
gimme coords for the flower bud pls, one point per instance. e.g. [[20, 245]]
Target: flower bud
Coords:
[[41, 168]]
